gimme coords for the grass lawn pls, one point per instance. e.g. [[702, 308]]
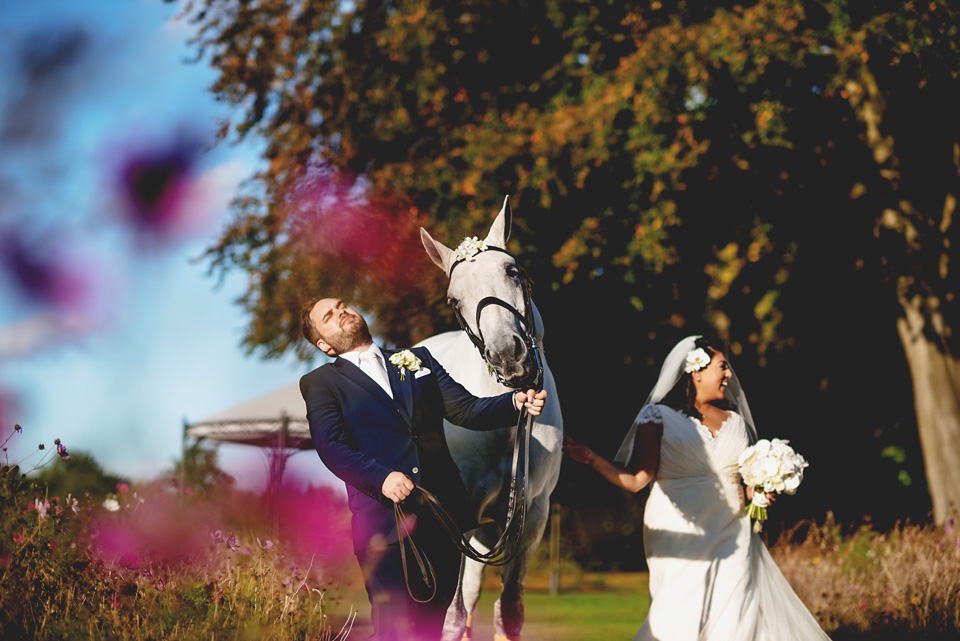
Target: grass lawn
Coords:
[[590, 607]]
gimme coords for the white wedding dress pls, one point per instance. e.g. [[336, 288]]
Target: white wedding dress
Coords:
[[711, 577]]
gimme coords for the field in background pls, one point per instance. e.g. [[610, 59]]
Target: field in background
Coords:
[[589, 607]]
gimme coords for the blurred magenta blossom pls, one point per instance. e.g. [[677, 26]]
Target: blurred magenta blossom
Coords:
[[162, 194], [315, 521], [332, 213], [47, 271], [159, 529]]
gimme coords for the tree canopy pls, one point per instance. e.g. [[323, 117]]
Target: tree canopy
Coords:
[[782, 172]]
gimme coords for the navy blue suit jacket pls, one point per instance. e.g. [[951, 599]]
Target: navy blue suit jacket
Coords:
[[362, 435]]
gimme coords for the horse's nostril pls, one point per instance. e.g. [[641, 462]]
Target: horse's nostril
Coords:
[[518, 347]]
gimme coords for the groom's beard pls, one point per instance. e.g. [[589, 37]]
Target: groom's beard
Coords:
[[351, 337]]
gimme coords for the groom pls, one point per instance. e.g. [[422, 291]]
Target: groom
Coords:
[[377, 423]]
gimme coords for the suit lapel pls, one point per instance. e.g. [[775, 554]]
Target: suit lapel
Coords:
[[402, 390], [359, 377]]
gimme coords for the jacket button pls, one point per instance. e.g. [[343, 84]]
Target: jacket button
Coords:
[[415, 470]]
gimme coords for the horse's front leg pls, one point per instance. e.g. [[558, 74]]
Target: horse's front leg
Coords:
[[456, 618], [508, 610]]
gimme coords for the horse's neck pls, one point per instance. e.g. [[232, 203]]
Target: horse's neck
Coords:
[[463, 362], [537, 322]]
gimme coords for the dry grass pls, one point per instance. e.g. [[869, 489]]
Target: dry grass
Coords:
[[900, 584]]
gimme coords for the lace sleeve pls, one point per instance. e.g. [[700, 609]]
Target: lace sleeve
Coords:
[[649, 414]]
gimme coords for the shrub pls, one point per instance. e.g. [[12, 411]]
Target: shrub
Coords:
[[904, 583], [152, 563]]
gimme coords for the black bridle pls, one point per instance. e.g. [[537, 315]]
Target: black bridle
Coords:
[[506, 546], [527, 323]]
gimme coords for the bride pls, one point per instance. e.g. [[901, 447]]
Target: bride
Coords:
[[711, 577]]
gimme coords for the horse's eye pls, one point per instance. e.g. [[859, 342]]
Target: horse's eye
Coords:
[[512, 271]]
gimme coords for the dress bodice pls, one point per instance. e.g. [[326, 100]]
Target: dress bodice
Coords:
[[688, 448]]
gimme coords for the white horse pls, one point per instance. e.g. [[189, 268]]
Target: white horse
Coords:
[[484, 458]]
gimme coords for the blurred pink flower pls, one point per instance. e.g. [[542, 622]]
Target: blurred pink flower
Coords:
[[312, 522], [333, 213], [18, 538], [47, 271], [160, 531], [42, 508], [163, 196], [122, 488], [61, 450]]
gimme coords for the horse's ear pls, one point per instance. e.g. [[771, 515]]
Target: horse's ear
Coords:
[[500, 229], [437, 251]]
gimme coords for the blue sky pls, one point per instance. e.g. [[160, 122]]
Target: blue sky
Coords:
[[159, 342]]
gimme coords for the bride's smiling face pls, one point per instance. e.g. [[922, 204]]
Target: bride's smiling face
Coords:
[[711, 381]]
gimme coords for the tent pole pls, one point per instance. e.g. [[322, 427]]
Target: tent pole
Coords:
[[183, 458]]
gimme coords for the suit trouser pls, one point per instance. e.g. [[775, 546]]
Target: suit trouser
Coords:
[[395, 615]]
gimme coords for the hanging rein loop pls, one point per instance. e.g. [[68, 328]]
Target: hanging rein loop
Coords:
[[506, 546]]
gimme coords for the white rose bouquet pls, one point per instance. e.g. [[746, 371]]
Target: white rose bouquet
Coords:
[[769, 466]]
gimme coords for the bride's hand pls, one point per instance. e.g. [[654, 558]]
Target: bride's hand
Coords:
[[771, 496], [579, 453]]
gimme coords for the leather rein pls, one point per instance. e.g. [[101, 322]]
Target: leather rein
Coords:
[[506, 546]]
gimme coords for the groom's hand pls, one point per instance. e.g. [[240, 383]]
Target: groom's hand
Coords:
[[397, 486], [533, 401]]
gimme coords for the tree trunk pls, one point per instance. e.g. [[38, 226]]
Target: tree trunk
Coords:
[[936, 392], [924, 331]]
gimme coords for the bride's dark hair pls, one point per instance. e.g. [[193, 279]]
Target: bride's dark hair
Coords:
[[684, 394]]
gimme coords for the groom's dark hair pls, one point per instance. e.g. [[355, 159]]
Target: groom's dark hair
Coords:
[[683, 395], [306, 323]]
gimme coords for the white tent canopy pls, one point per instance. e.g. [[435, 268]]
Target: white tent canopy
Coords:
[[276, 420]]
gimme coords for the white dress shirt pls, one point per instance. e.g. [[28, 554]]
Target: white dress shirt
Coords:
[[372, 363]]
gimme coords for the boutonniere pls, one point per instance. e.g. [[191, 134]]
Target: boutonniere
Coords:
[[405, 360]]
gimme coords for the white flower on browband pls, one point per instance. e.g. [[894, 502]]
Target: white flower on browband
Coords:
[[697, 359], [468, 248]]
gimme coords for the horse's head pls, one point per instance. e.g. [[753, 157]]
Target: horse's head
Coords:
[[490, 296]]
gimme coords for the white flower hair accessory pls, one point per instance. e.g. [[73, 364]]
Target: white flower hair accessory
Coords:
[[697, 359], [405, 360], [468, 248]]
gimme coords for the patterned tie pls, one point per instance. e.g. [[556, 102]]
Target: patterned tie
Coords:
[[372, 366]]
